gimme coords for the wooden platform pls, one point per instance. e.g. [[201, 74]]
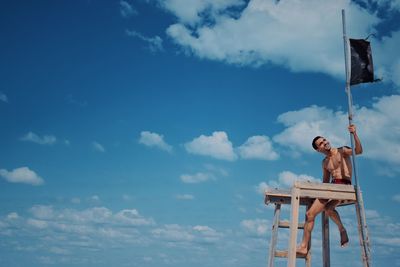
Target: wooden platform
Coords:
[[311, 191], [304, 193]]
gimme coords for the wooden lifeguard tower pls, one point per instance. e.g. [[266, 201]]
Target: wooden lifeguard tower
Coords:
[[304, 193]]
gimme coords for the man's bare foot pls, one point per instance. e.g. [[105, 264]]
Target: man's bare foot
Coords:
[[344, 239], [301, 250]]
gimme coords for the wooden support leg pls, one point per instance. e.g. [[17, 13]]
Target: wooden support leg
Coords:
[[325, 240], [294, 222], [274, 236], [308, 257]]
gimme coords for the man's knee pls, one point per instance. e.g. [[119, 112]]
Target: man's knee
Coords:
[[310, 216], [330, 212]]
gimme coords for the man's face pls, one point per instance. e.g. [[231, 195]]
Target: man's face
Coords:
[[323, 145]]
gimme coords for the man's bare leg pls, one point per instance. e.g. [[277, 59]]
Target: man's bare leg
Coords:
[[314, 210], [334, 215]]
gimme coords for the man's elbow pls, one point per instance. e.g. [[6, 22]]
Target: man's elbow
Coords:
[[359, 151]]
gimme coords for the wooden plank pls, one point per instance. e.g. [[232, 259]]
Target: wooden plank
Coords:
[[307, 193], [286, 224], [284, 254], [324, 186], [294, 220], [282, 197]]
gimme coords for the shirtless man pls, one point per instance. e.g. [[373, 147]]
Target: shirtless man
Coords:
[[336, 165]]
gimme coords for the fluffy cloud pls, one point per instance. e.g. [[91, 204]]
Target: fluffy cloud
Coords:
[[59, 230], [285, 180], [191, 11], [217, 146], [44, 140], [154, 140], [388, 65], [154, 43], [313, 26], [396, 198], [98, 147], [393, 4], [196, 178], [258, 147], [303, 125], [3, 97], [257, 227], [378, 128], [228, 31], [126, 9], [96, 215], [178, 233], [21, 175]]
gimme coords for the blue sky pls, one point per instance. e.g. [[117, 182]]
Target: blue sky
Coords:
[[143, 132]]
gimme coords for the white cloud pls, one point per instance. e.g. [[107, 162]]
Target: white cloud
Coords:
[[393, 4], [196, 178], [37, 223], [98, 147], [285, 180], [59, 251], [12, 216], [154, 140], [217, 146], [21, 175], [303, 125], [258, 147], [173, 232], [372, 214], [76, 200], [126, 197], [132, 217], [3, 97], [126, 9], [184, 197], [99, 215], [155, 43], [396, 198], [191, 11], [386, 63], [42, 212], [262, 187], [313, 27], [94, 199], [378, 128], [44, 140], [216, 170], [257, 227], [184, 234], [207, 233]]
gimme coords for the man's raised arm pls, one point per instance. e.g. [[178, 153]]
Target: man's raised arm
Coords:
[[357, 143]]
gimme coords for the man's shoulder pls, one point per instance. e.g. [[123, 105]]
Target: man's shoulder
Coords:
[[344, 150]]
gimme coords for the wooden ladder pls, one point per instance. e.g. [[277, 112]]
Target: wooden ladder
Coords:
[[273, 252]]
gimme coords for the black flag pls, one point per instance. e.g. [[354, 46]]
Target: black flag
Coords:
[[362, 69]]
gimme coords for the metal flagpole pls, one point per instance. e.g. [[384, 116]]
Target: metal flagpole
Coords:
[[362, 226]]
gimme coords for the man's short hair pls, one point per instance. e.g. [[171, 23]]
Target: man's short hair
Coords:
[[314, 140]]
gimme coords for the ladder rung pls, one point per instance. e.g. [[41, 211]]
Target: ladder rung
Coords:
[[286, 224], [284, 254]]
